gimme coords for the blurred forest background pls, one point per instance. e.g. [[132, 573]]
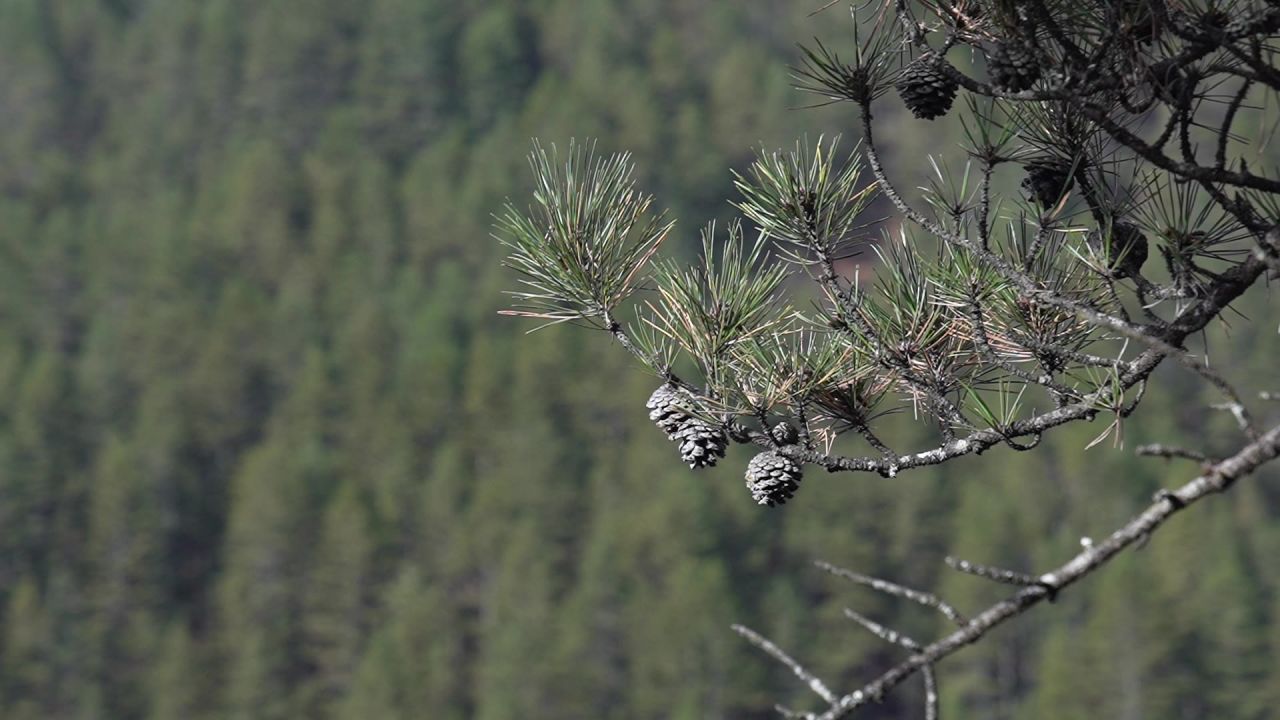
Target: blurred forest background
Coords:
[[266, 450]]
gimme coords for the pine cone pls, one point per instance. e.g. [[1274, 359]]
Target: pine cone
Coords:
[[926, 90], [784, 433], [1012, 67], [1047, 181], [773, 478], [701, 443], [1125, 250]]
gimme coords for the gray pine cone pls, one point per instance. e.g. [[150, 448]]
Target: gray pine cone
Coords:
[[784, 433], [773, 478], [925, 88], [1047, 181], [701, 443], [1012, 67]]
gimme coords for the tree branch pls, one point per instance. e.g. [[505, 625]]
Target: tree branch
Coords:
[[1215, 479], [778, 654], [889, 588]]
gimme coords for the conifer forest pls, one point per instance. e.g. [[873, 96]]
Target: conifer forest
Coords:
[[269, 450]]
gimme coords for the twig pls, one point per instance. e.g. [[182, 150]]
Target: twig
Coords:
[[1171, 452], [894, 637], [889, 588], [874, 441], [995, 574], [897, 638], [1241, 415], [930, 692], [888, 635], [778, 654]]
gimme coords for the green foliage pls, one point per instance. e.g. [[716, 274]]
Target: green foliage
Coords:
[[807, 200], [265, 451], [592, 235], [724, 302]]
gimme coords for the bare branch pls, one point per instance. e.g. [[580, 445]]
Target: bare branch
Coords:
[[930, 692], [1216, 479], [896, 638], [1170, 452], [995, 574], [890, 636], [815, 684], [928, 600]]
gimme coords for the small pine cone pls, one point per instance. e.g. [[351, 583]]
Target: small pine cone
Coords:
[[1126, 250], [701, 443], [773, 478], [925, 88], [784, 433], [1012, 67], [666, 408], [1046, 182]]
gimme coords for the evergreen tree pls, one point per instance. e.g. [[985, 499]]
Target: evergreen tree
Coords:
[[177, 687], [266, 451], [335, 607], [29, 672]]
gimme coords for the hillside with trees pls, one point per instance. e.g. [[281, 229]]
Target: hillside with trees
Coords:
[[267, 450]]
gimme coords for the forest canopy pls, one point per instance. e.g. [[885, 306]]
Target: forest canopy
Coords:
[[267, 450]]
